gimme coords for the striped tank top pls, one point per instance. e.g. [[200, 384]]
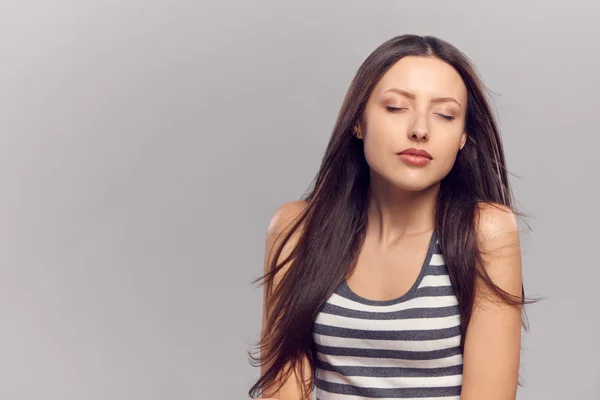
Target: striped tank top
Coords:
[[406, 348]]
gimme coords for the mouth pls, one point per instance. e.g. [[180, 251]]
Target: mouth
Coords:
[[416, 153], [415, 157]]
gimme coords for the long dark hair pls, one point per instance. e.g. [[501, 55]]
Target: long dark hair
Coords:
[[335, 219]]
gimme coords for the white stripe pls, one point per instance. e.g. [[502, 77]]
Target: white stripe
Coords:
[[391, 382], [418, 302], [410, 345], [435, 281], [437, 260], [348, 361], [412, 324], [324, 395]]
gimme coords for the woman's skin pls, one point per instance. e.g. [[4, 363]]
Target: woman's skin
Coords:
[[421, 103]]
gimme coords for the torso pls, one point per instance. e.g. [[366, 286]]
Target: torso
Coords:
[[392, 330], [389, 274]]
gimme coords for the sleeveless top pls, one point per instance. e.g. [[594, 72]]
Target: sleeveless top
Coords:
[[406, 348]]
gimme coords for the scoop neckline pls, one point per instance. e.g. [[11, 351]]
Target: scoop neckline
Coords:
[[353, 296]]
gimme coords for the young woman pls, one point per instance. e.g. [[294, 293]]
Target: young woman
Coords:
[[399, 275]]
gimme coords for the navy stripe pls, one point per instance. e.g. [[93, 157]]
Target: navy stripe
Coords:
[[433, 334], [434, 291], [390, 372], [411, 313], [437, 270], [385, 353], [390, 393]]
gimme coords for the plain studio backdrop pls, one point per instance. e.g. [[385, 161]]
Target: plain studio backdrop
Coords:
[[144, 145]]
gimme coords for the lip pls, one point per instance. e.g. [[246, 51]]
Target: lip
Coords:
[[416, 157]]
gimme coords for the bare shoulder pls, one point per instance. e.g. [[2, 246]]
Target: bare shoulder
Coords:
[[499, 242], [285, 215], [495, 220], [280, 224]]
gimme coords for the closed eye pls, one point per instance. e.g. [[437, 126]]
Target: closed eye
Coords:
[[392, 109], [448, 117]]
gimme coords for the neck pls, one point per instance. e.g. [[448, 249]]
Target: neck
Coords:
[[395, 213]]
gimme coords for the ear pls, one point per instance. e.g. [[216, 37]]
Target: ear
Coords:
[[463, 140], [358, 130]]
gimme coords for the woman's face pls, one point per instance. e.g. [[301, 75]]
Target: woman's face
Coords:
[[420, 103]]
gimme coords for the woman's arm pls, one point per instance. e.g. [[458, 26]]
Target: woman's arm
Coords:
[[278, 228], [493, 338]]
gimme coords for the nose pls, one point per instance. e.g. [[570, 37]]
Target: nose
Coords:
[[419, 131]]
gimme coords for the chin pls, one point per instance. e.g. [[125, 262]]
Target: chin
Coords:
[[413, 183], [413, 186], [401, 179]]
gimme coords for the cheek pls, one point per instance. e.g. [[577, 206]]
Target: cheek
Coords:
[[448, 162], [384, 134], [373, 150], [446, 155], [380, 146]]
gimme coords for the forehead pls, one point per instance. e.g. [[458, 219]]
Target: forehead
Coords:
[[423, 76]]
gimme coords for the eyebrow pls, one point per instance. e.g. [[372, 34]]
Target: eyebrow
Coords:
[[412, 96]]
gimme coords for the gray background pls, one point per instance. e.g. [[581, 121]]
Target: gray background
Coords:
[[144, 146]]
